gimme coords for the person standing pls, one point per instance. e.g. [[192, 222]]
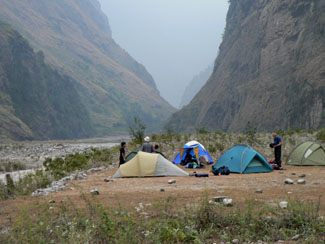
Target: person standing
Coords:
[[122, 153], [147, 146], [277, 149]]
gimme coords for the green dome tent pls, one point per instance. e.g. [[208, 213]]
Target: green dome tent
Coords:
[[307, 153]]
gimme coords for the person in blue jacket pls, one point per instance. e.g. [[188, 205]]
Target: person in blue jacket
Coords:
[[277, 149]]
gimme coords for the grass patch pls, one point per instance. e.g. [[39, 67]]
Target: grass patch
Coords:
[[10, 166], [206, 223], [321, 135]]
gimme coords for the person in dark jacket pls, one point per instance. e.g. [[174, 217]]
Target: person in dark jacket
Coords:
[[277, 149], [147, 146], [122, 153]]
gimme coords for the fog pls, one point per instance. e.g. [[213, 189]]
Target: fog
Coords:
[[173, 39]]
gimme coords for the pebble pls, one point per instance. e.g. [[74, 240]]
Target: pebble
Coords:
[[172, 181], [220, 191], [302, 176], [162, 189], [94, 192], [288, 181], [295, 238], [219, 199], [52, 201], [301, 181], [259, 191], [283, 204], [227, 202], [235, 241], [108, 180], [293, 173]]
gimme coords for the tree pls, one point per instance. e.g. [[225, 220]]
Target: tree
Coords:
[[137, 130]]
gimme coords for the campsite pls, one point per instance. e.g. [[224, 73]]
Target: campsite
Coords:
[[145, 196]]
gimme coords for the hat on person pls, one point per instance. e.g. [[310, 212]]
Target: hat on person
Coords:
[[147, 139]]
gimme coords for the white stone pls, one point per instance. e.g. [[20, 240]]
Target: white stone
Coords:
[[288, 181], [171, 181], [227, 202], [283, 204], [301, 181]]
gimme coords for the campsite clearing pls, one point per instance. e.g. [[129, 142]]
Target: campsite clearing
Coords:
[[129, 192]]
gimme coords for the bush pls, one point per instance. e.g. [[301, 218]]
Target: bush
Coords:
[[25, 185], [321, 135], [220, 146], [7, 166], [137, 131]]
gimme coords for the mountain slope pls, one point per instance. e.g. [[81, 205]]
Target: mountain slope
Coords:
[[270, 70], [75, 37], [195, 86], [35, 100]]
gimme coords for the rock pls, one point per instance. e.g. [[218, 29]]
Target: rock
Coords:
[[235, 241], [108, 180], [302, 176], [259, 191], [295, 238], [283, 204], [289, 192], [94, 192], [293, 173], [220, 191], [171, 181], [301, 181], [227, 202], [288, 181], [219, 199], [52, 201], [162, 189]]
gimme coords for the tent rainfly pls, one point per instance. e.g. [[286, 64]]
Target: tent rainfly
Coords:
[[148, 165], [307, 153], [244, 160]]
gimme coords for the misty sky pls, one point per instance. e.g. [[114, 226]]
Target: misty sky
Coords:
[[173, 39]]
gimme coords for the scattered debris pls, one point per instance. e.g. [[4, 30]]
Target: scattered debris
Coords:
[[295, 238]]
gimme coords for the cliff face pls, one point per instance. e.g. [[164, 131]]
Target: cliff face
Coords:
[[75, 37], [270, 70], [35, 100], [195, 86]]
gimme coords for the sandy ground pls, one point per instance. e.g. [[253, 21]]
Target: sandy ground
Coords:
[[129, 192]]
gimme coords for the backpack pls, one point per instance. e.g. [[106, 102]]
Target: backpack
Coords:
[[223, 170]]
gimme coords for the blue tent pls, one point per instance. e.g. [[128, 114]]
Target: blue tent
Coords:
[[195, 149], [244, 160]]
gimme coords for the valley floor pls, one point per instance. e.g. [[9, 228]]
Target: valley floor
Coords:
[[129, 192]]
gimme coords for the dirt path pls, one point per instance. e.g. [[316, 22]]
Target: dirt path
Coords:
[[129, 192]]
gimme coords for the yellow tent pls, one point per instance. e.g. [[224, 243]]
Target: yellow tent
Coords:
[[148, 164]]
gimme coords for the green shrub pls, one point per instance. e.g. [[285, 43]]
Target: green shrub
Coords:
[[201, 130], [9, 166], [26, 185], [137, 130], [220, 146], [212, 149], [321, 135]]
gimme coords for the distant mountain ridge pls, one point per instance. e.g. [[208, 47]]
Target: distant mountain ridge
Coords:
[[195, 85], [270, 70], [35, 100], [75, 37]]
